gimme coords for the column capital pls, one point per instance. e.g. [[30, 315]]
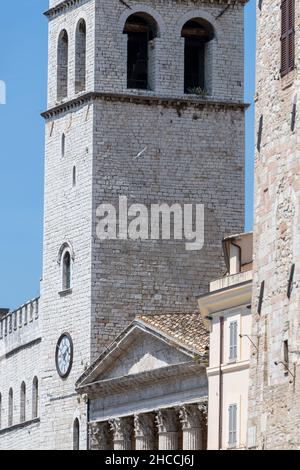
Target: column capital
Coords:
[[190, 416], [144, 429], [99, 435], [203, 408], [121, 428], [167, 421], [144, 425]]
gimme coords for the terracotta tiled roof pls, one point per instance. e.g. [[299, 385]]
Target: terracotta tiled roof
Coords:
[[186, 329]]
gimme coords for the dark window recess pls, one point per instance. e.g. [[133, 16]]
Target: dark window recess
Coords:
[[259, 133], [137, 65], [76, 435], [62, 65], [67, 271], [261, 297], [293, 118], [286, 352], [291, 280], [197, 34], [194, 63], [287, 36], [140, 29]]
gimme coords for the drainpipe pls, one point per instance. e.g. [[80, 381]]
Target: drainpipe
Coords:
[[221, 383]]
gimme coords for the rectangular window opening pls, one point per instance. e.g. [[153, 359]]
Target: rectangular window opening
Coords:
[[233, 331], [194, 67], [232, 435]]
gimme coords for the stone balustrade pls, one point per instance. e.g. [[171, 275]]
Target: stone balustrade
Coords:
[[181, 428]]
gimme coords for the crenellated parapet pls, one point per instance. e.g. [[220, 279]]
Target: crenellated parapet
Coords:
[[19, 327]]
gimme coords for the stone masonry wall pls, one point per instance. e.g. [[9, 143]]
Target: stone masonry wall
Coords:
[[193, 155], [83, 10], [226, 50], [274, 409], [68, 213], [20, 349]]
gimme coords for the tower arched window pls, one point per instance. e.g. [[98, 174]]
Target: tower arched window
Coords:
[[62, 65], [197, 34], [23, 403], [10, 407], [141, 30], [35, 398], [80, 57], [76, 434], [66, 270]]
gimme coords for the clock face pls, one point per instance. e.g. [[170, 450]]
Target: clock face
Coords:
[[64, 355]]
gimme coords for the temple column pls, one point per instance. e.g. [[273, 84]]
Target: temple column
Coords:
[[100, 436], [191, 421], [167, 423], [144, 429], [122, 429], [203, 408]]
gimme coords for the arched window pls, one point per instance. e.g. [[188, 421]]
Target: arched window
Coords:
[[141, 29], [66, 271], [76, 434], [35, 398], [63, 145], [74, 176], [80, 57], [62, 65], [10, 407], [197, 34], [23, 403]]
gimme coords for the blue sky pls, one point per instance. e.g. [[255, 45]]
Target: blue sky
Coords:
[[23, 66]]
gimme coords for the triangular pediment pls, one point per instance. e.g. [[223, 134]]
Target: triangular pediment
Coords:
[[139, 350], [144, 353]]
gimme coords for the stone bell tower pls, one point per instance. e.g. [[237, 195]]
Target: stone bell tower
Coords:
[[274, 412], [145, 101]]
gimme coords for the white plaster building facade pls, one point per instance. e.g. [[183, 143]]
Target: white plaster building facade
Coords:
[[192, 127], [226, 312]]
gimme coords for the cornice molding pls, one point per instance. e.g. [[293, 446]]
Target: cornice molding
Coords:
[[16, 427], [20, 348], [66, 5], [174, 102], [224, 299], [228, 368], [62, 7]]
